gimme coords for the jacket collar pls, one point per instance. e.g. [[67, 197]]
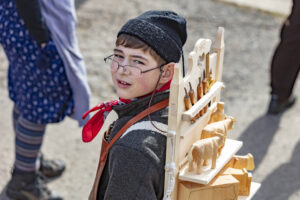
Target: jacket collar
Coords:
[[138, 105]]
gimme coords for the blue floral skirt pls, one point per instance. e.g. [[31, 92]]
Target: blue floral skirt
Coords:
[[37, 80]]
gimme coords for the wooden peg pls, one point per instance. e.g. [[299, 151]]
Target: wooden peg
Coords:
[[207, 66], [204, 86]]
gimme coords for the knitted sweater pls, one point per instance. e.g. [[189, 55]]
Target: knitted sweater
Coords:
[[135, 164]]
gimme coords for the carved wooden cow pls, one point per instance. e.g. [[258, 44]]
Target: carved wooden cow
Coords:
[[220, 127], [203, 150]]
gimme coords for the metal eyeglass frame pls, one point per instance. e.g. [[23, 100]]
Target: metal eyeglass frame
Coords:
[[141, 71]]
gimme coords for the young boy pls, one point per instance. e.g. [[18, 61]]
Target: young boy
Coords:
[[142, 67]]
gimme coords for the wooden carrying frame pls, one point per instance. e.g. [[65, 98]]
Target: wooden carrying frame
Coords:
[[181, 132], [185, 124]]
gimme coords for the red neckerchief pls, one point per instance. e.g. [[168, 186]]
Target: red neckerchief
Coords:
[[93, 126]]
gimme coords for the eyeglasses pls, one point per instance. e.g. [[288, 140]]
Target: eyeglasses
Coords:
[[132, 69]]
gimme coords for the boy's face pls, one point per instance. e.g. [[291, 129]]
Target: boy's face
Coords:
[[128, 85]]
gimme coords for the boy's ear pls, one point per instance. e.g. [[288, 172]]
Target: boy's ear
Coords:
[[167, 74]]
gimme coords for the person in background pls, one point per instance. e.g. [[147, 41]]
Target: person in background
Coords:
[[286, 63], [46, 82]]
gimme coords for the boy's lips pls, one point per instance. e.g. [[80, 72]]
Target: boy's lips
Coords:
[[123, 84]]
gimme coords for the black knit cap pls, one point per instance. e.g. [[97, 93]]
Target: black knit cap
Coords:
[[163, 31]]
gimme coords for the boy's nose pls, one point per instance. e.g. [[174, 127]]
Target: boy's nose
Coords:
[[123, 68]]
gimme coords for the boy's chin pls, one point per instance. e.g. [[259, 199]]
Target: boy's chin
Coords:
[[124, 95]]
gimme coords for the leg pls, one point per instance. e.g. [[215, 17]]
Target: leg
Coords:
[[49, 168], [205, 162], [220, 150], [191, 167], [286, 63], [15, 115], [199, 165], [28, 142], [214, 158], [25, 182]]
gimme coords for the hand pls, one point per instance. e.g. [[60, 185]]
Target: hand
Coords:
[[43, 45]]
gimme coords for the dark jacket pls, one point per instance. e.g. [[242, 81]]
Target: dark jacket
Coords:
[[135, 164]]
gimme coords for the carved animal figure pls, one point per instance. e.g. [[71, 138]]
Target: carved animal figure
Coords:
[[240, 162], [218, 115], [220, 127], [203, 150]]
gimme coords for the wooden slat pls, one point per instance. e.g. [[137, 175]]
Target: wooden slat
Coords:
[[230, 148]]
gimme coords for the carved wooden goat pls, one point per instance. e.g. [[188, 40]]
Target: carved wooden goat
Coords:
[[218, 115], [203, 150], [220, 127]]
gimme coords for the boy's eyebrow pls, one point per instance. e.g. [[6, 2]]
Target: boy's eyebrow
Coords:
[[134, 56], [141, 57], [118, 50]]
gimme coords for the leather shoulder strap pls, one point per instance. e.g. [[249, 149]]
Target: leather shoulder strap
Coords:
[[138, 117]]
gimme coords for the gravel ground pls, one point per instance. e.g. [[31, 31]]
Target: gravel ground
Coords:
[[250, 39]]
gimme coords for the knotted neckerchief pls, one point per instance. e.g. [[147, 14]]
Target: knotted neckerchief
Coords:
[[93, 126]]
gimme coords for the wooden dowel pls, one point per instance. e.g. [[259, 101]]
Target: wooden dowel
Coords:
[[207, 66], [200, 95], [204, 86]]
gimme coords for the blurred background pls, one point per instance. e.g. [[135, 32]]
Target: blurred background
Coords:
[[251, 35]]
